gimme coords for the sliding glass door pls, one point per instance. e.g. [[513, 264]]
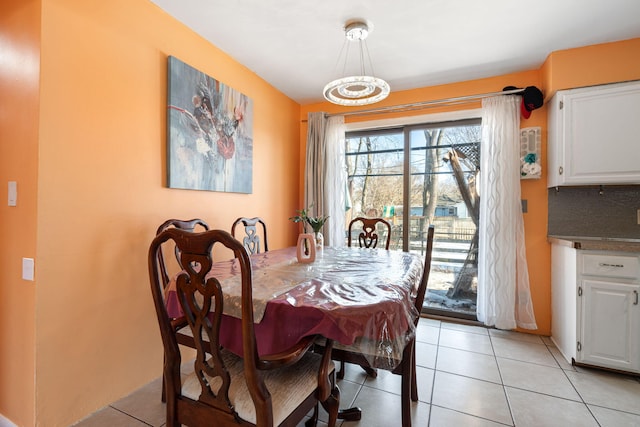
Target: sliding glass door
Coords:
[[419, 175]]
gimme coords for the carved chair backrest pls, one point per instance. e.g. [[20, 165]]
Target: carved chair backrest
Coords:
[[191, 225], [368, 236], [252, 239]]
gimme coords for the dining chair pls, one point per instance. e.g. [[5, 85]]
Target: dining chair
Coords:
[[369, 235], [367, 238], [357, 353], [166, 273], [219, 387], [251, 240]]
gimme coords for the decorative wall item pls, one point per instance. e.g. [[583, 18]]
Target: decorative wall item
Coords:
[[210, 133], [530, 146]]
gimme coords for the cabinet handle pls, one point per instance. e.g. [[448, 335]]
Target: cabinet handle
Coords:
[[560, 170], [604, 264], [635, 297]]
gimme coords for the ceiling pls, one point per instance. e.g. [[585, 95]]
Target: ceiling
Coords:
[[295, 44]]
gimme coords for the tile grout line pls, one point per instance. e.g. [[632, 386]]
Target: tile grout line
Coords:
[[435, 371], [473, 416], [131, 416], [576, 390], [504, 389]]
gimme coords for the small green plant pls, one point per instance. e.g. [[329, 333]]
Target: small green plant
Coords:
[[316, 222]]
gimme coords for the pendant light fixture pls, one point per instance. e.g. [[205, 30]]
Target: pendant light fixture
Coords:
[[360, 89]]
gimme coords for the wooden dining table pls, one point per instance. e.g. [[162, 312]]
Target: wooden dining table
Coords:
[[346, 294]]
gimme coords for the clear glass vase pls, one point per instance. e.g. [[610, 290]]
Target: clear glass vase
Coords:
[[319, 241]]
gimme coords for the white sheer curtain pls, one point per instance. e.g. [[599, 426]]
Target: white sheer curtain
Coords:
[[504, 297], [325, 175]]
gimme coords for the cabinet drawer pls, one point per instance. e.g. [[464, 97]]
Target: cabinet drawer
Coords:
[[611, 265]]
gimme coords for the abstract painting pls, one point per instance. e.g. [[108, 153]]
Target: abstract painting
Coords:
[[210, 133]]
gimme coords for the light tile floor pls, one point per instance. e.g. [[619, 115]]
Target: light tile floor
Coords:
[[467, 376]]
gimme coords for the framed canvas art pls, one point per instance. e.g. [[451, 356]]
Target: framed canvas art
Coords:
[[210, 133]]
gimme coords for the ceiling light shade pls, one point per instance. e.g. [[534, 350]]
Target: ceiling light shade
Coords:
[[360, 89]]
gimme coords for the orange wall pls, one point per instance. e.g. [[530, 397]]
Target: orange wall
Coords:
[[90, 163], [592, 65], [19, 100], [97, 151]]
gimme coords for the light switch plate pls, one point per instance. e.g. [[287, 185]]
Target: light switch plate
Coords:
[[28, 268], [13, 193]]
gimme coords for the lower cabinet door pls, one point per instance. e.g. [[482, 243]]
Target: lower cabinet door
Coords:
[[610, 325]]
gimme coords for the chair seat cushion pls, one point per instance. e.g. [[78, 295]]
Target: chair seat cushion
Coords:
[[289, 386]]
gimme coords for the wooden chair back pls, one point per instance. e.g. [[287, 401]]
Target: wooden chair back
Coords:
[[369, 237], [221, 387], [191, 225], [251, 239], [422, 288]]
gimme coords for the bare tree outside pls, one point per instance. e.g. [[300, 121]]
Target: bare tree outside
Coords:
[[375, 158], [432, 137], [441, 192]]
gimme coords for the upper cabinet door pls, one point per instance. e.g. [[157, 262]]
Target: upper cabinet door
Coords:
[[594, 136]]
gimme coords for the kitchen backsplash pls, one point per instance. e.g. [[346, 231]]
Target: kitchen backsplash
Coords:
[[607, 211]]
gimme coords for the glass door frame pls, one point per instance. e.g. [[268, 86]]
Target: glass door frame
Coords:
[[406, 130]]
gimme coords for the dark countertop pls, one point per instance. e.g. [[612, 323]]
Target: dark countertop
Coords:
[[597, 243]]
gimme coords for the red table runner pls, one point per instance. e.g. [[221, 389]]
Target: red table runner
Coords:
[[346, 294]]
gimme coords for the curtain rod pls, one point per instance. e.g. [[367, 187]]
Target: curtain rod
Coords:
[[425, 104]]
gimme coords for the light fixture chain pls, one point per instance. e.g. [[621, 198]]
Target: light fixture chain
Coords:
[[361, 45], [368, 56], [345, 47], [346, 58]]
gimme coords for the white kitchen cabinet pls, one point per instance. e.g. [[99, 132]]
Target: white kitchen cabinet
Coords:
[[608, 310], [595, 309], [594, 136], [609, 326], [564, 312]]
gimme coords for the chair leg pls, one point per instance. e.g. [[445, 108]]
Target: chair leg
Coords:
[[163, 396], [406, 384], [372, 372], [332, 406], [313, 421], [341, 371], [172, 416], [414, 382]]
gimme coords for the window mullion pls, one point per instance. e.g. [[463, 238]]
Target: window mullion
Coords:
[[406, 190]]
